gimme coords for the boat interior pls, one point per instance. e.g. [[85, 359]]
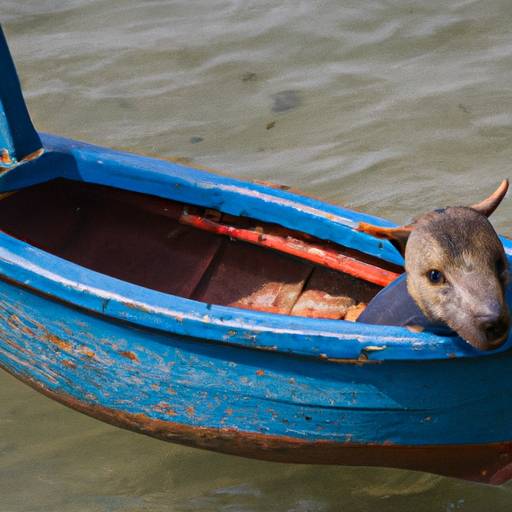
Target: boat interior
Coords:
[[188, 251]]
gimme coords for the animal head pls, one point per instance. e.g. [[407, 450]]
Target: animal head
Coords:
[[457, 269]]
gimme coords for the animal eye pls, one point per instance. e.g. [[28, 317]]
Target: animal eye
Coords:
[[436, 277]]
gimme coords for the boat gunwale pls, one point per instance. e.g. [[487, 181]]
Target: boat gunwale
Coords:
[[333, 340]]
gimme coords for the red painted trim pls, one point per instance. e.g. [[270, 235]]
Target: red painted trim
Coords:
[[299, 248]]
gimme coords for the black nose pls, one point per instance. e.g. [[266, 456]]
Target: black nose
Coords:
[[496, 331]]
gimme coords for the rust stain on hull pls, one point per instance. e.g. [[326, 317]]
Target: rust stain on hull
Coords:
[[130, 355]]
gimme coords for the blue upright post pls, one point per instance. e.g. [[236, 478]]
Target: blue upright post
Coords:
[[18, 137]]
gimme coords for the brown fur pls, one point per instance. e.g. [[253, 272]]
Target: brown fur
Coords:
[[460, 244]]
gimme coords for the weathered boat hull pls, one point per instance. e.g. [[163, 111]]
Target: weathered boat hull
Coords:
[[271, 386], [484, 463], [258, 403]]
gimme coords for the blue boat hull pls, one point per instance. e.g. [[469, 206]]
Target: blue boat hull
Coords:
[[252, 383], [261, 403]]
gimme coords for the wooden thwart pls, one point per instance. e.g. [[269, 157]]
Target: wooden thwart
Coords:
[[295, 247]]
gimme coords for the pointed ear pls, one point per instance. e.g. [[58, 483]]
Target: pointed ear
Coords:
[[397, 236], [490, 204]]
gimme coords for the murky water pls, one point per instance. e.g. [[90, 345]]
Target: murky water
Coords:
[[390, 107]]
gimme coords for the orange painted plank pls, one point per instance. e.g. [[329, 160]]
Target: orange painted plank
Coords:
[[299, 248]]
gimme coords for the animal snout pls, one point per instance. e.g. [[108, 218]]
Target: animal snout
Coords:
[[495, 329]]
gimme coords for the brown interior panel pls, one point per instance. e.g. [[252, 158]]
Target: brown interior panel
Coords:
[[139, 239]]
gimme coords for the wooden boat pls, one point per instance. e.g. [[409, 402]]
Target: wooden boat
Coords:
[[214, 312]]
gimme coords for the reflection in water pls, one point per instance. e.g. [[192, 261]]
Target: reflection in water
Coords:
[[392, 108]]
